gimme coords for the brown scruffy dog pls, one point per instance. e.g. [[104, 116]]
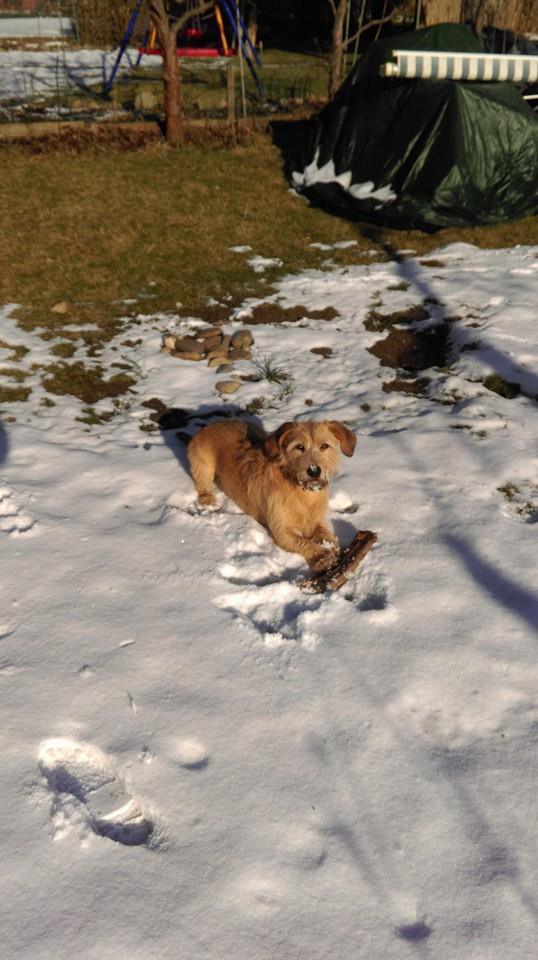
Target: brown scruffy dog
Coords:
[[280, 479]]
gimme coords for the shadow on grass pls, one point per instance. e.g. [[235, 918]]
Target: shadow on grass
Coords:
[[292, 137]]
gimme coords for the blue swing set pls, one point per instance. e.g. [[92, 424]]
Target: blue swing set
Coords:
[[191, 43]]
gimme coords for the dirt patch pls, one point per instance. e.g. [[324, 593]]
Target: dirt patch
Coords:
[[121, 137], [414, 388], [273, 313], [214, 314], [131, 136], [432, 263], [376, 321], [414, 350]]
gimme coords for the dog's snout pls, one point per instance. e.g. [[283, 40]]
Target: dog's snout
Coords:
[[313, 471]]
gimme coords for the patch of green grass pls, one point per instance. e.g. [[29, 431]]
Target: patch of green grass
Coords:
[[92, 418], [505, 388], [14, 373], [86, 383], [18, 350], [290, 78], [14, 394], [65, 349]]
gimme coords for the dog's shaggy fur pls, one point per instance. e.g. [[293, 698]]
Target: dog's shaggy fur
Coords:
[[280, 479]]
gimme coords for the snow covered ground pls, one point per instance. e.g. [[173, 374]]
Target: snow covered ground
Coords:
[[200, 760], [37, 27], [25, 74]]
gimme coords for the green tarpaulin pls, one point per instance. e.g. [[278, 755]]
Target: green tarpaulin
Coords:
[[421, 153]]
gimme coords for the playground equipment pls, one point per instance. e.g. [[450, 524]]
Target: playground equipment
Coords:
[[192, 41]]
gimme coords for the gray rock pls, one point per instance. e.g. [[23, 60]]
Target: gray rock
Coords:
[[242, 339]]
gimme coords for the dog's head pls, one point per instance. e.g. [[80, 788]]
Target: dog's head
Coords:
[[307, 453]]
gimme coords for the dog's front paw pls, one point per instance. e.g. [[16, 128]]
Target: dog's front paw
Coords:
[[325, 559], [325, 538], [206, 500]]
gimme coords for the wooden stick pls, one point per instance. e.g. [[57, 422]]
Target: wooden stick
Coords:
[[347, 562]]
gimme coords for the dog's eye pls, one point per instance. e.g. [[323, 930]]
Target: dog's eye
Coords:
[[300, 446], [324, 446]]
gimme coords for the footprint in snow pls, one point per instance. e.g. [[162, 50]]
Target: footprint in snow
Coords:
[[369, 592], [12, 519], [83, 772], [272, 602]]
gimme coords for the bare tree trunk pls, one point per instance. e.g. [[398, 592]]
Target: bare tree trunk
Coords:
[[172, 90], [167, 33], [337, 46]]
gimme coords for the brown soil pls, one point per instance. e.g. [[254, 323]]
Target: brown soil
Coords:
[[414, 388], [414, 349], [384, 321], [213, 313], [271, 313], [127, 137]]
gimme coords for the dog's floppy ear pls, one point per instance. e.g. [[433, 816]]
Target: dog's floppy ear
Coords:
[[346, 438], [273, 444]]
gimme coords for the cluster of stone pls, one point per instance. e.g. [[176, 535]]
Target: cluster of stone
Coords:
[[218, 349]]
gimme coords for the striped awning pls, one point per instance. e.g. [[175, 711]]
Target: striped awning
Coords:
[[461, 66]]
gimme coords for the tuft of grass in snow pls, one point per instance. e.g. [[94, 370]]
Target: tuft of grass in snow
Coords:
[[285, 382], [504, 388], [267, 369]]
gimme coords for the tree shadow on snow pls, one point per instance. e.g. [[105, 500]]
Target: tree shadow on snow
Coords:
[[497, 585], [411, 273], [4, 443]]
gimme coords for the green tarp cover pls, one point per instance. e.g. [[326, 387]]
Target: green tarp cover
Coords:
[[421, 153]]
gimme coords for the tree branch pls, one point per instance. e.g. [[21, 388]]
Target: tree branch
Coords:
[[368, 26], [159, 14]]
